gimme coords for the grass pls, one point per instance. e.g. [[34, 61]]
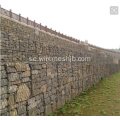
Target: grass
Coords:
[[101, 99]]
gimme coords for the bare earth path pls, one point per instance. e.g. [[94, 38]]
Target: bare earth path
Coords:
[[102, 99]]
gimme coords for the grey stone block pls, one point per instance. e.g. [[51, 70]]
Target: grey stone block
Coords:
[[2, 68], [42, 109], [48, 110], [32, 112], [21, 109], [26, 80], [13, 77], [4, 90], [4, 96], [3, 82], [12, 88], [11, 70], [3, 74], [47, 100]]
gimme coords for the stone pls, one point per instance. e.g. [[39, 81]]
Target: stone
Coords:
[[13, 107], [26, 79], [37, 97], [49, 88], [2, 68], [48, 110], [11, 70], [44, 88], [4, 90], [32, 112], [80, 74], [42, 83], [53, 106], [53, 97], [21, 109], [36, 92], [63, 92], [38, 112], [12, 88], [10, 64], [3, 74], [22, 103], [69, 79], [36, 67], [44, 66], [13, 77], [35, 71], [36, 32], [13, 113], [23, 93], [3, 82], [47, 100], [25, 74], [49, 93], [32, 100], [42, 109], [55, 84], [4, 96], [32, 105], [23, 114], [45, 94], [63, 100], [54, 91], [22, 67], [5, 114], [3, 111], [58, 104], [52, 76], [3, 104], [16, 82], [11, 99], [49, 74]]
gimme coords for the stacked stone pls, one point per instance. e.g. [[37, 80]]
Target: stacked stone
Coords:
[[41, 87], [3, 91]]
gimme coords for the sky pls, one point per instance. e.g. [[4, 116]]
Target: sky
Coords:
[[81, 19]]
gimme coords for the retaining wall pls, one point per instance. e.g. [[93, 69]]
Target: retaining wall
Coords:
[[41, 87]]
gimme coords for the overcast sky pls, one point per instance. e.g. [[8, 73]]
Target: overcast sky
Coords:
[[82, 19]]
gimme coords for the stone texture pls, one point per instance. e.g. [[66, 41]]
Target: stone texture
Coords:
[[47, 101], [11, 99], [44, 66], [33, 112], [26, 80], [11, 70], [4, 96], [35, 71], [13, 113], [3, 74], [48, 110], [3, 82], [13, 107], [32, 105], [25, 74], [32, 100], [12, 88], [23, 93], [13, 76], [22, 67], [21, 109], [44, 88], [4, 90], [3, 104], [69, 79]]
